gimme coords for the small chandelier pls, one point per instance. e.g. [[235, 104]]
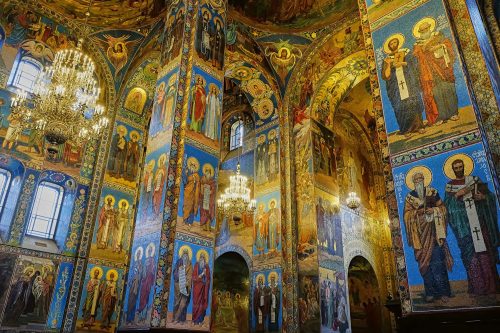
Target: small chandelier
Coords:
[[236, 198], [353, 201], [64, 104]]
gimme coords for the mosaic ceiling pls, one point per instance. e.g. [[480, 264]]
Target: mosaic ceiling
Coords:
[[125, 14], [290, 15]]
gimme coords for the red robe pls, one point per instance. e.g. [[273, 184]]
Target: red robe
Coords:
[[430, 67], [201, 289]]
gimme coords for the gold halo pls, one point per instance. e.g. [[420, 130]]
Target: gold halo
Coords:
[[198, 76], [260, 276], [134, 132], [30, 267], [213, 85], [275, 203], [161, 86], [265, 102], [138, 250], [416, 27], [96, 268], [287, 52], [189, 250], [261, 138], [151, 164], [275, 274], [108, 274], [256, 82], [172, 79], [272, 134], [162, 159], [122, 128], [209, 166], [422, 169], [200, 252], [150, 249], [468, 165], [122, 201], [218, 19], [193, 160], [204, 10], [399, 37], [113, 200]]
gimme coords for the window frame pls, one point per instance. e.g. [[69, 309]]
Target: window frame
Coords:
[[4, 190], [17, 73], [54, 220], [236, 133]]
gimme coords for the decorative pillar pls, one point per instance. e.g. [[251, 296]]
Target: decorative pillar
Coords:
[[170, 275], [437, 165]]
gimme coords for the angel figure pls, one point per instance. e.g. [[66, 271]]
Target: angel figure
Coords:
[[38, 50], [117, 50], [283, 58]]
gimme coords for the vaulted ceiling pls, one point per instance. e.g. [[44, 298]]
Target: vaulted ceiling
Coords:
[[126, 14]]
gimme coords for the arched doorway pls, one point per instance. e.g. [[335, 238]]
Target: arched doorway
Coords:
[[364, 297], [231, 294]]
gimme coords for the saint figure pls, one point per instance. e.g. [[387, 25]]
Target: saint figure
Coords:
[[183, 273], [107, 222], [201, 289], [211, 121], [274, 304], [159, 182], [191, 191], [426, 222], [198, 105], [122, 221], [109, 298], [273, 218], [436, 60], [133, 154], [260, 305], [472, 215], [261, 229], [208, 191], [92, 300]]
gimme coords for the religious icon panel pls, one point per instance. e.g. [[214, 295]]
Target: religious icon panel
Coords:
[[197, 200], [449, 220], [31, 288], [138, 301], [99, 308], [205, 108], [267, 226], [266, 301], [334, 306], [424, 94], [164, 103], [125, 155], [113, 225], [190, 287]]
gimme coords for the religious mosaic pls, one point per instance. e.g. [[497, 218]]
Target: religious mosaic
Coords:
[[99, 308], [266, 301], [191, 287], [423, 89], [450, 230]]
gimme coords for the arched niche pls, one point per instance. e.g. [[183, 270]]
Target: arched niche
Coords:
[[11, 190], [364, 297], [231, 294]]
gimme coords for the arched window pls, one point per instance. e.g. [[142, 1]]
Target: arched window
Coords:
[[45, 211], [4, 186], [24, 74], [236, 135]]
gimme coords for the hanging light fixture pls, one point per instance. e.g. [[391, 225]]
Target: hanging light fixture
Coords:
[[236, 198], [353, 201], [64, 104]]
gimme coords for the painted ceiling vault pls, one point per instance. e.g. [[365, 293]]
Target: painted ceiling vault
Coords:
[[290, 15], [124, 14]]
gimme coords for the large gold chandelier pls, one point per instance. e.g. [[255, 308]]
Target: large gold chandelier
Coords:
[[236, 198], [64, 104]]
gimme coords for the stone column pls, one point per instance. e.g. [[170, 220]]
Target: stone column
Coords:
[[429, 113], [176, 210]]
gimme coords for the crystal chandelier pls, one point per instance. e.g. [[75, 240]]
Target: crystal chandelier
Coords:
[[64, 104], [353, 201], [236, 198]]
